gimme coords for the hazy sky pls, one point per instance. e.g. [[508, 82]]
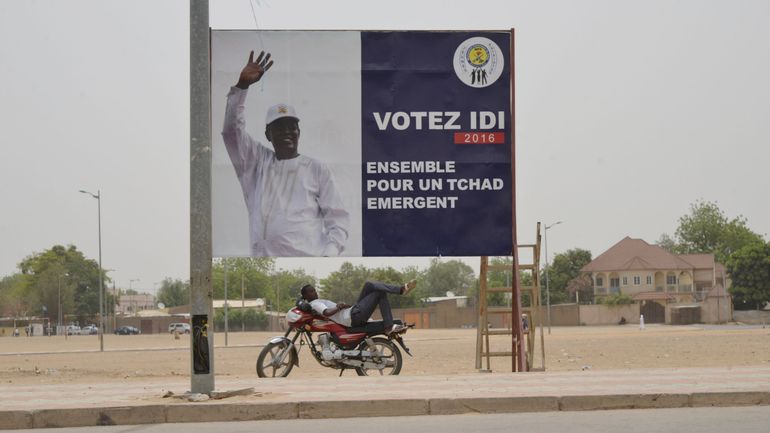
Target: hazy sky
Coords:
[[627, 112]]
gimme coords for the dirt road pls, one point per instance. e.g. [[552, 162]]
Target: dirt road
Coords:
[[77, 359]]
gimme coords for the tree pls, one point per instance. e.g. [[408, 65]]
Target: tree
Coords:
[[749, 270], [174, 292], [12, 300], [582, 285], [253, 272], [667, 242], [706, 229], [285, 288], [344, 284], [564, 268], [448, 276], [67, 269]]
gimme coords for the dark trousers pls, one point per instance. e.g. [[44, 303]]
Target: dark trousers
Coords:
[[373, 294]]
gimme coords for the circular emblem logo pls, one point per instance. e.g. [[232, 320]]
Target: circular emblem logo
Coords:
[[478, 62], [477, 55]]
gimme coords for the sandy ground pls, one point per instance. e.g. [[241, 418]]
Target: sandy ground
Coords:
[[77, 359]]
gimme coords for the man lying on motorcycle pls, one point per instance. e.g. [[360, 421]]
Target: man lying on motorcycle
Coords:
[[372, 294]]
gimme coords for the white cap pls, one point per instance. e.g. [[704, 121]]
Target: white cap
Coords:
[[279, 111]]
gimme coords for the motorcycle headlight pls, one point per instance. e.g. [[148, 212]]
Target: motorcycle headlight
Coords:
[[292, 316]]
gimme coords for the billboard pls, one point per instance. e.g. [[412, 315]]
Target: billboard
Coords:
[[360, 143]]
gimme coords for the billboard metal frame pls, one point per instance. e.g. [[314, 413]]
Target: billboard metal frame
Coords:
[[201, 291]]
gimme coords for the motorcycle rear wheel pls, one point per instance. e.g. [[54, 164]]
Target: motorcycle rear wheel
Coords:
[[390, 354], [276, 360]]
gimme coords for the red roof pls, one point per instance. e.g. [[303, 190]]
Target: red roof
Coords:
[[636, 254]]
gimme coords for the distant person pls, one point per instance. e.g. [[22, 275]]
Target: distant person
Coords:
[[293, 203], [16, 332], [373, 294]]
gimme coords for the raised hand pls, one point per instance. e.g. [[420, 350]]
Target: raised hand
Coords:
[[253, 71]]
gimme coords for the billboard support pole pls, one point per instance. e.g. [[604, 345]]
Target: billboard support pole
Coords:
[[517, 340], [201, 299]]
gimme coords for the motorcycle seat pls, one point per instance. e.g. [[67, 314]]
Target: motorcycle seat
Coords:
[[372, 327]]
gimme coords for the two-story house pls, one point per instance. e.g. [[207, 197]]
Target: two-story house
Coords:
[[649, 273]]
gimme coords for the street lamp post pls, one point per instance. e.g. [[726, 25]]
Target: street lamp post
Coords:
[[58, 307], [98, 197], [547, 289]]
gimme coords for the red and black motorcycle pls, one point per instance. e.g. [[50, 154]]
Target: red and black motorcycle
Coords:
[[366, 349]]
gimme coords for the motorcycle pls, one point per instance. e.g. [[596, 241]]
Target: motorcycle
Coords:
[[359, 348]]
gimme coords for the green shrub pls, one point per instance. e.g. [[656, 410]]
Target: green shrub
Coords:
[[615, 299]]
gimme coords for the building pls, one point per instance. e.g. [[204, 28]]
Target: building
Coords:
[[131, 305], [237, 304], [656, 278]]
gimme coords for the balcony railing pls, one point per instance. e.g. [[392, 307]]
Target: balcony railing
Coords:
[[685, 287]]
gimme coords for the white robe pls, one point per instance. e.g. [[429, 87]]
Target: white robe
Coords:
[[294, 207]]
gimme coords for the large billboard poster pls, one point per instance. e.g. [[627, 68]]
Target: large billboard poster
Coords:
[[358, 143]]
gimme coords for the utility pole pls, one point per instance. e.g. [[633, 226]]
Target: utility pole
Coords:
[[243, 304], [547, 288], [224, 261]]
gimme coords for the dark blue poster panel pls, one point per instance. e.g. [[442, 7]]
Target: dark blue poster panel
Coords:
[[436, 143]]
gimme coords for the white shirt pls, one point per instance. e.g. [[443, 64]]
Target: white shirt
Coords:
[[294, 207], [342, 317]]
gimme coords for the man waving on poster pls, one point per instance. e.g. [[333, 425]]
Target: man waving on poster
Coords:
[[293, 204]]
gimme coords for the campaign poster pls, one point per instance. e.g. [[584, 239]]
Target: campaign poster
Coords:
[[361, 143]]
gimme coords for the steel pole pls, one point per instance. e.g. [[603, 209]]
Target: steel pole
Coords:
[[59, 304], [226, 318], [547, 288], [101, 278], [201, 305]]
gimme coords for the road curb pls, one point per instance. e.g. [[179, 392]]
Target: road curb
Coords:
[[223, 412]]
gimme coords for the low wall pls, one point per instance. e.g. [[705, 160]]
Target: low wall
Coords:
[[562, 315], [752, 317], [608, 314], [716, 310]]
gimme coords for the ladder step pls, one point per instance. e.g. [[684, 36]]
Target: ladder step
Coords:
[[527, 245], [498, 354], [506, 310], [501, 332], [508, 289], [524, 266], [496, 332], [499, 267]]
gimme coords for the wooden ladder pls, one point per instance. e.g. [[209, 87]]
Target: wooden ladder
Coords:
[[528, 303]]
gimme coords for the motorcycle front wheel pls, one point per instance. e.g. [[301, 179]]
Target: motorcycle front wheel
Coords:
[[389, 355], [276, 360]]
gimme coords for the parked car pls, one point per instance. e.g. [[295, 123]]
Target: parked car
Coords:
[[73, 330], [127, 330], [89, 330], [182, 328]]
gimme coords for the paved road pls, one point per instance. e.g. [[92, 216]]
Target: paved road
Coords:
[[755, 419]]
